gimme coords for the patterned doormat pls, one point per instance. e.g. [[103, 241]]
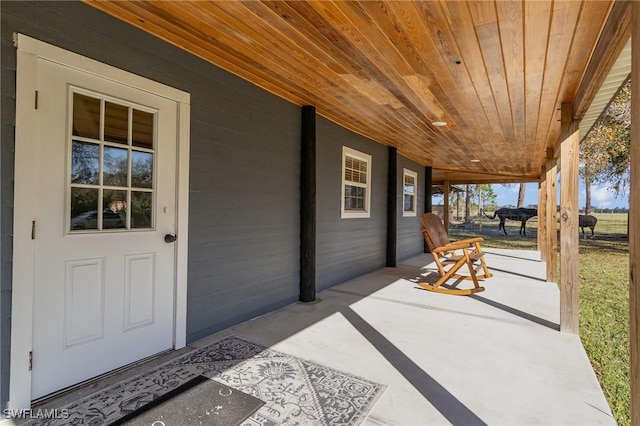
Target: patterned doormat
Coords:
[[295, 391], [199, 401]]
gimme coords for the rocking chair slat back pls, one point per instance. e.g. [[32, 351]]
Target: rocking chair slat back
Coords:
[[436, 235]]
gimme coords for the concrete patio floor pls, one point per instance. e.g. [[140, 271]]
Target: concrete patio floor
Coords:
[[494, 358]]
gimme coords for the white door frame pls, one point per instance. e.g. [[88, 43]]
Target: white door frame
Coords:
[[29, 50]]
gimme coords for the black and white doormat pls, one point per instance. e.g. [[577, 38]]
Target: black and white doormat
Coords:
[[294, 391]]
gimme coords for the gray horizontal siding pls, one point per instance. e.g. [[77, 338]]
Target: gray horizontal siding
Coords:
[[409, 237], [347, 247], [244, 175]]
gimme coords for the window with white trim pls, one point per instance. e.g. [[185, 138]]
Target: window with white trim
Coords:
[[111, 174], [356, 184], [409, 192]]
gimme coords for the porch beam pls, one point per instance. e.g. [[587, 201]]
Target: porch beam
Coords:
[[569, 288], [551, 250], [612, 40], [542, 214], [634, 221]]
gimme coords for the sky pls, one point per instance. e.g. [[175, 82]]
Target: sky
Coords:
[[601, 196]]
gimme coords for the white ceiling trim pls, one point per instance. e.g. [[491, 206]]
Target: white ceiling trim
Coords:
[[617, 76]]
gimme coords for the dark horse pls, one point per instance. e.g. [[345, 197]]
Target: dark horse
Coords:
[[585, 220], [520, 214]]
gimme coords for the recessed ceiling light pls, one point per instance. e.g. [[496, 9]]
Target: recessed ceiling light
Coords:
[[439, 123], [475, 160]]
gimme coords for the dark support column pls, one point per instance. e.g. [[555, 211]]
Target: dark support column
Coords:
[[428, 196], [428, 182], [392, 209], [308, 205]]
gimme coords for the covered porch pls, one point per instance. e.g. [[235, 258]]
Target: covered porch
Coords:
[[477, 92], [453, 92], [492, 358]]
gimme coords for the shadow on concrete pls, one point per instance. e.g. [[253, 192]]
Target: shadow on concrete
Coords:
[[533, 318], [443, 401]]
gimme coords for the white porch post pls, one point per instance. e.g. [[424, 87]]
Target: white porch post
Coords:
[[634, 218]]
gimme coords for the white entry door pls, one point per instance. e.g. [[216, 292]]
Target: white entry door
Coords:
[[104, 267]]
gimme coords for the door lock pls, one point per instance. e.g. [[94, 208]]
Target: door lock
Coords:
[[169, 238]]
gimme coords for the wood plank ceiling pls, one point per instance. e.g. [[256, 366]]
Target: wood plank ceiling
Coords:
[[495, 71]]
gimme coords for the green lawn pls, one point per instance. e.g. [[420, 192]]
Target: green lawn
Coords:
[[604, 297]]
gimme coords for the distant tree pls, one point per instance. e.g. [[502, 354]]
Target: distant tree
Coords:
[[484, 194], [587, 198], [487, 195], [521, 192], [458, 201], [605, 152]]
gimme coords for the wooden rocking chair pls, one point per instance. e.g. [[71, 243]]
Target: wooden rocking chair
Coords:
[[458, 253]]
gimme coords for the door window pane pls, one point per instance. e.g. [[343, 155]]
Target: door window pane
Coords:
[[116, 123], [111, 176], [141, 208], [142, 126], [141, 169], [84, 208], [114, 209], [115, 166], [86, 116], [85, 163]]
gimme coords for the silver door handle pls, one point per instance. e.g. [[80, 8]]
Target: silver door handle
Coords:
[[169, 238]]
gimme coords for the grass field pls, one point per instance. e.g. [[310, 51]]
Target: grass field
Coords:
[[604, 297]]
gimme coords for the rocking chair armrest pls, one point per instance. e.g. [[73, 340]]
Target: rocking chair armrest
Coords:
[[456, 245], [470, 240]]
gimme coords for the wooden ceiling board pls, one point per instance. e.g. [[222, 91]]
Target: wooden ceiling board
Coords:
[[302, 17], [294, 67], [453, 77], [369, 39], [495, 71], [412, 63], [512, 42], [484, 108], [536, 35], [564, 16]]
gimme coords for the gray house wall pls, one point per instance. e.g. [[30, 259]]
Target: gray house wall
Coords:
[[347, 247], [409, 239], [244, 176]]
